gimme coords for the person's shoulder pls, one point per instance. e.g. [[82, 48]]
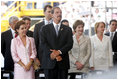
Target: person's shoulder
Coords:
[[47, 26], [92, 37], [40, 22], [86, 37], [107, 37], [5, 32], [107, 33], [66, 27], [31, 38], [14, 39]]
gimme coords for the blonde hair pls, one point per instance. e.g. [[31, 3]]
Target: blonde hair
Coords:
[[97, 25]]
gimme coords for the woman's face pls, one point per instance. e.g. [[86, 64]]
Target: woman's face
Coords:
[[101, 28], [79, 29], [22, 30]]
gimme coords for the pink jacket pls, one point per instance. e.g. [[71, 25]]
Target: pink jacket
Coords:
[[20, 52], [18, 49]]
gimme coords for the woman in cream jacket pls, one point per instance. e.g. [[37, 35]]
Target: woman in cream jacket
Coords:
[[101, 57], [81, 51]]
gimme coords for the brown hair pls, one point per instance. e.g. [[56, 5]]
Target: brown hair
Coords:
[[54, 9], [26, 18], [18, 24], [97, 25], [47, 6], [113, 20], [77, 22]]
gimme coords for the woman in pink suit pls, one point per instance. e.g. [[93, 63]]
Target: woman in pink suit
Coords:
[[23, 53]]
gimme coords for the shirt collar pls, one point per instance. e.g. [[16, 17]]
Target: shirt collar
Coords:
[[113, 33], [46, 22], [13, 31], [56, 24]]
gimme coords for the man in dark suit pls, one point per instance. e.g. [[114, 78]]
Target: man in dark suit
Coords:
[[28, 23], [56, 41], [113, 35], [6, 38], [47, 20], [36, 35]]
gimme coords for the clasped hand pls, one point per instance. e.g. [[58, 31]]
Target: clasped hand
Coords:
[[27, 67], [79, 65], [55, 55]]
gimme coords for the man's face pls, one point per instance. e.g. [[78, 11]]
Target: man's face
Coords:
[[12, 25], [28, 23], [113, 26], [48, 14], [57, 15]]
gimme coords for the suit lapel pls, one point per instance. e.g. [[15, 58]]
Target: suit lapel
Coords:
[[10, 34], [115, 35], [82, 40], [53, 30], [43, 23], [60, 31]]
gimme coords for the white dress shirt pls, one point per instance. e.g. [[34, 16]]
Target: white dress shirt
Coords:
[[113, 34], [58, 30], [56, 25], [13, 32], [48, 22]]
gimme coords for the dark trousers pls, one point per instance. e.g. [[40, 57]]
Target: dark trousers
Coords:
[[56, 74]]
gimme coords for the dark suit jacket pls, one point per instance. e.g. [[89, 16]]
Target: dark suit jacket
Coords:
[[63, 42], [29, 33], [6, 38], [114, 41], [36, 36], [114, 47]]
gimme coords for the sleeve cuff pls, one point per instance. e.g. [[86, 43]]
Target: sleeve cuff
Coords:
[[60, 52]]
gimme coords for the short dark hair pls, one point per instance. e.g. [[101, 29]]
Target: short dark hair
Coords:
[[64, 20], [113, 20], [54, 9], [47, 6], [77, 22], [18, 24], [26, 18]]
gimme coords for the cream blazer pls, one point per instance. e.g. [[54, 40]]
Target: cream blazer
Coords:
[[80, 52], [101, 57]]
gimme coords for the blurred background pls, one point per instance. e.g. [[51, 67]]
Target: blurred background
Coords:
[[88, 11]]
